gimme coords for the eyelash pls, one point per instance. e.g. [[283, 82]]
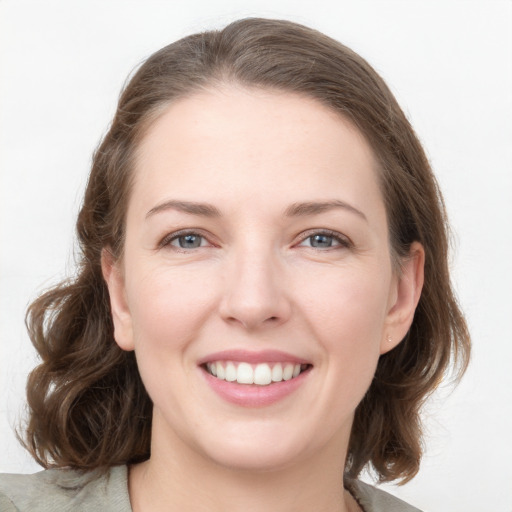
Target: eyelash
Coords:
[[171, 237], [342, 240]]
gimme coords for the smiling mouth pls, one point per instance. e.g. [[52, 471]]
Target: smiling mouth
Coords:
[[262, 374]]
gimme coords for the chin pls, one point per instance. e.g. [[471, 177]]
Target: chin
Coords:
[[257, 450], [254, 459]]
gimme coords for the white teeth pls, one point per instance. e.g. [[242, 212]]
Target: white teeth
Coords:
[[288, 372], [230, 372], [277, 373], [245, 374], [262, 374], [221, 373]]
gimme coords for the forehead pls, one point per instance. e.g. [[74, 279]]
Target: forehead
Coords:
[[234, 142]]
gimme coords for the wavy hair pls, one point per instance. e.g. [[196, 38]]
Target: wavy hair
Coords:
[[87, 405]]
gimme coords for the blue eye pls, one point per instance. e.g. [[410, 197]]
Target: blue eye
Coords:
[[186, 241], [321, 241], [324, 241]]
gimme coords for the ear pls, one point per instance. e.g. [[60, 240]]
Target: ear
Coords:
[[404, 297], [113, 275]]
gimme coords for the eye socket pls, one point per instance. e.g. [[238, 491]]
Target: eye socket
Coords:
[[324, 240], [184, 240], [190, 241], [315, 240]]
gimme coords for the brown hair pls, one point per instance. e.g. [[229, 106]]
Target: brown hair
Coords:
[[88, 406]]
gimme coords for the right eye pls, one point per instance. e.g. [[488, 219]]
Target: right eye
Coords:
[[184, 240], [190, 241]]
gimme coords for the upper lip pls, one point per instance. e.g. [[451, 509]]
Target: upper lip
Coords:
[[254, 357]]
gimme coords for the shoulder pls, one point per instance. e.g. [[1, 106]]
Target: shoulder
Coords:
[[372, 499], [56, 490]]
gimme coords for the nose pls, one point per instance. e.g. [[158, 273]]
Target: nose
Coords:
[[255, 293]]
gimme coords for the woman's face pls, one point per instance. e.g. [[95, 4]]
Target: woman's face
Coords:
[[256, 247]]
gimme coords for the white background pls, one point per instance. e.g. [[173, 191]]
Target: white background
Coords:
[[450, 66]]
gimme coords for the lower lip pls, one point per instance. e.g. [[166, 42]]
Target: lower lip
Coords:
[[253, 395]]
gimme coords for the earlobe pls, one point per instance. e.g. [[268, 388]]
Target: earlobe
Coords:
[[121, 317], [406, 295]]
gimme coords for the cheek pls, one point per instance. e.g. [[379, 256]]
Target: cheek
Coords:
[[349, 305], [168, 314], [347, 316], [168, 306]]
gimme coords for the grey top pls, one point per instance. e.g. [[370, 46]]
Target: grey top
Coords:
[[63, 490]]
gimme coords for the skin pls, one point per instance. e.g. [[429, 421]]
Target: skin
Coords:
[[255, 282]]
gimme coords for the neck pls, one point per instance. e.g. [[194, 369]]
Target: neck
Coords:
[[181, 479]]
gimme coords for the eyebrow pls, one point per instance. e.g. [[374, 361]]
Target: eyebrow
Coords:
[[294, 210], [315, 207], [190, 207]]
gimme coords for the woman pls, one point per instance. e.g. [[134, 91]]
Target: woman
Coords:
[[263, 302]]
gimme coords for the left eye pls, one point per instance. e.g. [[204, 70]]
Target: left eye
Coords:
[[188, 241], [321, 241]]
